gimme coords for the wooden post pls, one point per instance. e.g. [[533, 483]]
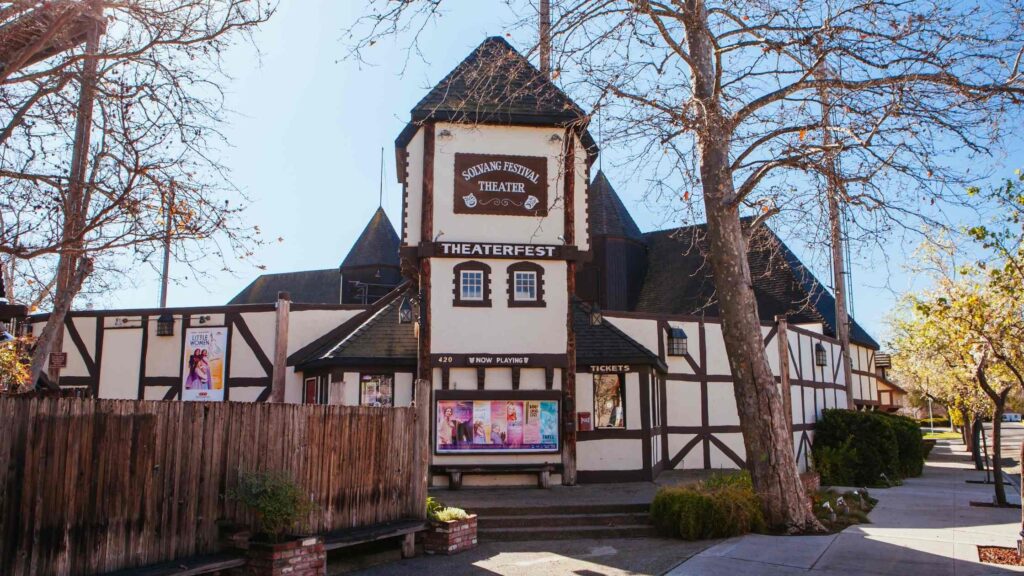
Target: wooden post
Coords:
[[422, 401], [569, 373], [782, 337], [277, 384]]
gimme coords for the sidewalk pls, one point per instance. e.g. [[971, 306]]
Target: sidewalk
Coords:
[[927, 526]]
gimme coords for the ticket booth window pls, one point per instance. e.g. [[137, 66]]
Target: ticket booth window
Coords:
[[609, 401], [376, 390]]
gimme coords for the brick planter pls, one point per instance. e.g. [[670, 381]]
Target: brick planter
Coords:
[[450, 537], [303, 557]]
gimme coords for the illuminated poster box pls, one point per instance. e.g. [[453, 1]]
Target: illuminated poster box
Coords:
[[475, 426]]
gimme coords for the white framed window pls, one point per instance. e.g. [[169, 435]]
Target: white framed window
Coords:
[[471, 285], [525, 286]]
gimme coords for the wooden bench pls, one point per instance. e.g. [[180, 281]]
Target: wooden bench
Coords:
[[407, 529], [455, 472], [205, 564]]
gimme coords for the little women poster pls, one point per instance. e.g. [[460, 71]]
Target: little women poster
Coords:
[[204, 364]]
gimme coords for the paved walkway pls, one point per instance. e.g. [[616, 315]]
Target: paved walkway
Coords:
[[927, 526]]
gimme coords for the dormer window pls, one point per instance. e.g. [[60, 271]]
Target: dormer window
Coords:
[[525, 285], [472, 284], [677, 342]]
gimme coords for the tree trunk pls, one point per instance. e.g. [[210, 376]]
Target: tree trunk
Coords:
[[977, 429], [967, 434], [997, 450], [766, 437], [55, 323]]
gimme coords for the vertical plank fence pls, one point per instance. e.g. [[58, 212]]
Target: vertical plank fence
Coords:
[[93, 486]]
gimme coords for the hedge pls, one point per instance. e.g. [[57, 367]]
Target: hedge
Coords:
[[941, 422], [856, 449], [910, 443], [720, 507]]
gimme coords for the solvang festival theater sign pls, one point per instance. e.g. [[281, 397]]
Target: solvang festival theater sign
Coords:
[[467, 426], [501, 184]]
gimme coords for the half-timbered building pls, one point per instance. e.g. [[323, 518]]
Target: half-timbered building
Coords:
[[562, 342]]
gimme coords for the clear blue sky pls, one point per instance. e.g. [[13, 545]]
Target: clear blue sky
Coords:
[[306, 135]]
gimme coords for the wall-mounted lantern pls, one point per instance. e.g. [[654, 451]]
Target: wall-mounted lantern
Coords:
[[165, 325], [677, 345], [596, 318], [405, 313], [820, 358]]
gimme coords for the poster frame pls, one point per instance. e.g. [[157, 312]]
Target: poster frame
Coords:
[[496, 395], [223, 392]]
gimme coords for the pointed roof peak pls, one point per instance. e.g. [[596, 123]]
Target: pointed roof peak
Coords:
[[377, 245], [497, 84], [608, 215]]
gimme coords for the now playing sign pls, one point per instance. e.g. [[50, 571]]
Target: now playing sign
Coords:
[[501, 184]]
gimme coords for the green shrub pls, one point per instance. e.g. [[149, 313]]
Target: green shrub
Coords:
[[720, 507], [438, 512], [832, 463], [909, 440], [449, 514], [276, 501], [929, 422], [739, 479], [433, 506], [855, 449]]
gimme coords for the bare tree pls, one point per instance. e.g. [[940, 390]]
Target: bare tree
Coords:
[[721, 103], [110, 116]]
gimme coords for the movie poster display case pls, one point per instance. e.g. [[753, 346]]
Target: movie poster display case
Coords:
[[497, 422]]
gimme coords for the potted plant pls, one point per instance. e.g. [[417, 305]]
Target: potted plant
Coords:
[[277, 503], [451, 530]]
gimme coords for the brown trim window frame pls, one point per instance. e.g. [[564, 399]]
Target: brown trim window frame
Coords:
[[485, 288], [616, 414], [538, 278]]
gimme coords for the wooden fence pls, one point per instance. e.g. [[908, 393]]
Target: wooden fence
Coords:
[[92, 486]]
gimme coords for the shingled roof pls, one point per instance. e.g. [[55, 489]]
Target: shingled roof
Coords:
[[372, 337], [305, 287], [679, 281], [495, 84], [376, 246], [606, 344], [608, 215]]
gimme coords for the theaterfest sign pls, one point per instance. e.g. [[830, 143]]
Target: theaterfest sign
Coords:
[[501, 184]]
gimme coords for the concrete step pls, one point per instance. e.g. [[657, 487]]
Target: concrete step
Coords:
[[564, 532], [550, 520], [560, 510]]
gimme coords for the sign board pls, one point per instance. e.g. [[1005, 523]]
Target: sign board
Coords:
[[488, 250], [501, 184], [496, 426], [58, 360], [499, 360], [204, 361], [609, 368]]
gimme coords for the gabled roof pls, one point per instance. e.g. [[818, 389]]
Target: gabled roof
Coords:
[[495, 84], [822, 299], [305, 287], [377, 245], [372, 337], [607, 214], [606, 344], [679, 281]]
